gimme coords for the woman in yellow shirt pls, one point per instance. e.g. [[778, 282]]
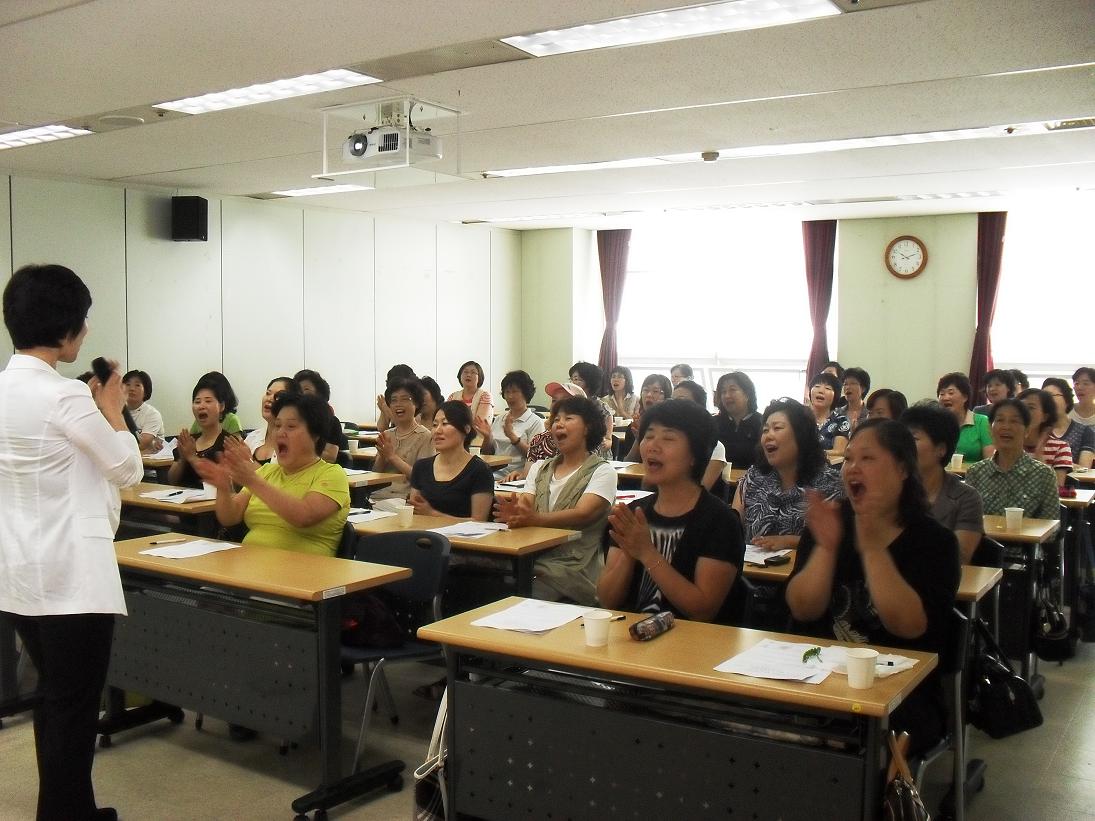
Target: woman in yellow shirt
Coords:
[[298, 503]]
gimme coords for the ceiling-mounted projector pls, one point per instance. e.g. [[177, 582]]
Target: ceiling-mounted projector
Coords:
[[387, 140]]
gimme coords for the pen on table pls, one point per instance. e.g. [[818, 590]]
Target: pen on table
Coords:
[[168, 541], [614, 618], [176, 493]]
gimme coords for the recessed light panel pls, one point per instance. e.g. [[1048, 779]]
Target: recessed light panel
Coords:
[[266, 92], [322, 189], [40, 134]]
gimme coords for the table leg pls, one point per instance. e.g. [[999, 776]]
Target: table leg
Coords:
[[522, 570], [875, 764]]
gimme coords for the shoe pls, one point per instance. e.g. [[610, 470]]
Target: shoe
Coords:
[[237, 732], [106, 814]]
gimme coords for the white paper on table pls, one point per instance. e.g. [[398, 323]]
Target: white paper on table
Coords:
[[776, 660], [617, 465], [198, 547], [533, 616], [368, 516], [470, 530], [836, 659], [632, 495], [510, 487], [165, 452], [757, 555], [177, 495], [355, 471]]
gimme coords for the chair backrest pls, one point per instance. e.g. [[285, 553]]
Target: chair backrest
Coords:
[[344, 460], [989, 553], [424, 552], [347, 543]]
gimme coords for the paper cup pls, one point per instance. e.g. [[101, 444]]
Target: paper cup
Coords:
[[726, 472], [209, 490], [861, 662], [956, 461], [617, 421], [353, 444], [475, 451], [405, 516], [596, 627], [1013, 518]]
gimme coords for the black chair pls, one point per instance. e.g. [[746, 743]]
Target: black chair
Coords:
[[344, 460], [427, 555], [952, 665], [348, 542]]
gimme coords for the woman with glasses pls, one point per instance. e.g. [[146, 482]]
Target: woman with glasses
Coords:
[[1080, 438], [400, 447], [621, 398], [1083, 383], [656, 388]]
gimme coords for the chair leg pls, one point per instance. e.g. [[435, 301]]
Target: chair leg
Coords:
[[366, 714], [386, 697]]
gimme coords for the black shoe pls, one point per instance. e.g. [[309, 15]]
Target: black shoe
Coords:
[[106, 814], [237, 732]]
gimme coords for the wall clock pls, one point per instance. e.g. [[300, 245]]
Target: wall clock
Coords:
[[906, 257]]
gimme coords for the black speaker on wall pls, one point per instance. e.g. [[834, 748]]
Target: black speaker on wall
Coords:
[[189, 219]]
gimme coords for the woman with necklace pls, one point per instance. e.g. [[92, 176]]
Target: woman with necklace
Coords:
[[398, 448], [832, 428], [208, 403], [453, 483], [298, 502], [680, 549]]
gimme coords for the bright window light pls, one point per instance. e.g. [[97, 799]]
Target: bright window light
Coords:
[[322, 189], [41, 134], [653, 27], [265, 92]]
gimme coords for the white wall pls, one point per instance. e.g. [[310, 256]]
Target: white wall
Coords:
[[277, 287], [907, 333], [5, 253]]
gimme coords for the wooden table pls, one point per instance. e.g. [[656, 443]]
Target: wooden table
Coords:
[[368, 456], [197, 517], [362, 484], [520, 546], [636, 725], [636, 472], [1086, 477], [771, 574], [160, 465], [1033, 531], [196, 637]]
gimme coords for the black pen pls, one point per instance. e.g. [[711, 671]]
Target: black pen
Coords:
[[168, 541], [176, 493]]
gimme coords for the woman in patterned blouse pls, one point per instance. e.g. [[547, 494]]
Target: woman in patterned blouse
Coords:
[[833, 429], [771, 496]]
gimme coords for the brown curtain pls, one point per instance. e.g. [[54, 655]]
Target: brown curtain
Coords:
[[819, 244], [612, 249], [990, 251]]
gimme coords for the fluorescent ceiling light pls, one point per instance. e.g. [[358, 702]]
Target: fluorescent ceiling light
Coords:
[[265, 92], [322, 189], [653, 27], [41, 134], [817, 147]]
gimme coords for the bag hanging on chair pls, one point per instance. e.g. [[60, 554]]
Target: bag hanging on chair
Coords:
[[901, 801], [1051, 636]]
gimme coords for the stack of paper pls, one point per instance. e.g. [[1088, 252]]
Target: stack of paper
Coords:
[[532, 616], [470, 530], [776, 660], [198, 547], [177, 495], [757, 555], [367, 516]]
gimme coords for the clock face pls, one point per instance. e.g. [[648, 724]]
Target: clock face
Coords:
[[906, 257]]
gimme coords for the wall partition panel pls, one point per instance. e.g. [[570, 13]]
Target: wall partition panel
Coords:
[[173, 297], [406, 299], [5, 254], [505, 304], [338, 308], [262, 288], [83, 227], [464, 317]]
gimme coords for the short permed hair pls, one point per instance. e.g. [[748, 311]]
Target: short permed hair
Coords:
[[1005, 377], [144, 379], [590, 411], [323, 387], [960, 382], [860, 376], [695, 390], [313, 411], [591, 375], [413, 388], [690, 419], [522, 381]]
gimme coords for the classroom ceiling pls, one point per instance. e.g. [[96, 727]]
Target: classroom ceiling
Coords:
[[884, 69]]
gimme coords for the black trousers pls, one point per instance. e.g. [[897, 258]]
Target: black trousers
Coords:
[[71, 654]]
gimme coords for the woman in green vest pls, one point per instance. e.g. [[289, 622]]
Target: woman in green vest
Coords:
[[573, 489]]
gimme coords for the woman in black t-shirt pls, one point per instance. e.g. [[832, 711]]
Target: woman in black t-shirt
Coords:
[[680, 549], [876, 568], [452, 483]]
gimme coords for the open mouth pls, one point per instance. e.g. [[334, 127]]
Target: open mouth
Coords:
[[653, 464], [282, 449], [202, 416], [856, 490]]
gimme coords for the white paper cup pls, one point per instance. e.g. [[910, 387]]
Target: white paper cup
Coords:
[[209, 490], [726, 472], [617, 421], [475, 451], [405, 516], [956, 461], [1013, 518], [861, 662], [353, 445], [596, 627]]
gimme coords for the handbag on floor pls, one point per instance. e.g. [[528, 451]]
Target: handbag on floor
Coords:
[[901, 801], [1000, 702], [431, 802], [1051, 636]]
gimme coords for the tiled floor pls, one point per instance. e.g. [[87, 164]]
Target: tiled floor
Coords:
[[176, 772]]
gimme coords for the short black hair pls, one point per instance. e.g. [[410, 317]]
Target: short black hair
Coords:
[[1065, 389], [430, 386], [145, 380], [811, 456], [217, 383], [684, 368], [898, 440], [323, 387], [860, 376], [699, 395], [662, 381], [397, 372], [413, 388], [693, 421], [629, 380], [895, 399], [742, 380], [478, 368], [44, 305], [959, 381], [291, 384], [592, 375], [1015, 405], [937, 423], [832, 363], [1084, 370], [1049, 407], [590, 411], [522, 381], [313, 411], [827, 379], [1007, 378], [1022, 381], [458, 415]]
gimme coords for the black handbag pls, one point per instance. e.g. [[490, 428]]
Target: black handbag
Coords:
[[1051, 636], [1000, 702], [902, 800]]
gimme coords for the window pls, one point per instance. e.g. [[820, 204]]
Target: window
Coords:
[[721, 293]]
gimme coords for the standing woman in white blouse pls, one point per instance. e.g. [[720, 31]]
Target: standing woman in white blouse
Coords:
[[64, 452]]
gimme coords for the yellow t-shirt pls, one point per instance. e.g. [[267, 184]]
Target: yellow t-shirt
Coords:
[[268, 529]]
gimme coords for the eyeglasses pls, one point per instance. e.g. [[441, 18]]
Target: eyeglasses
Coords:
[[653, 392]]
